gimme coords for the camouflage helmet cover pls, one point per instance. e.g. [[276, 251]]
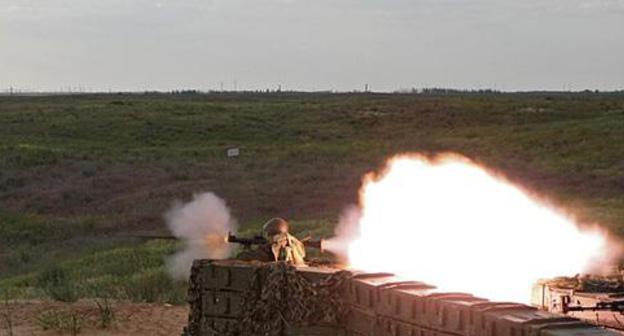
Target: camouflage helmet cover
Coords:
[[275, 226]]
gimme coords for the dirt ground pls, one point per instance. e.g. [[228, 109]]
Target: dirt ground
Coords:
[[55, 318]]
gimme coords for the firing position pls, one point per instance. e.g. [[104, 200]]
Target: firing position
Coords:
[[275, 244]]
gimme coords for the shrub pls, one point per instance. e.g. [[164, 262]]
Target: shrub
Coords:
[[56, 284], [106, 314], [63, 322]]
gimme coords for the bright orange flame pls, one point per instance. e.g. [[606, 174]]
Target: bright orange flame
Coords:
[[451, 223]]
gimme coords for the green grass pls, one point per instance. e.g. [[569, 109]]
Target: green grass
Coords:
[[132, 273], [77, 173]]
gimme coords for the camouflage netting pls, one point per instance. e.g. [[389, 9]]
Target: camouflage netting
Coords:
[[591, 284], [279, 298], [194, 299]]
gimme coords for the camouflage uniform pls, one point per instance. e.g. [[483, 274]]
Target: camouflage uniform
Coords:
[[261, 253], [281, 246]]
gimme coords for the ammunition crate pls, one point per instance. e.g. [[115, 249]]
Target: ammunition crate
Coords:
[[213, 326], [363, 291], [457, 312], [438, 313], [401, 301], [314, 331], [534, 328], [362, 321], [222, 304], [232, 276], [576, 331], [316, 274], [376, 305], [483, 314], [391, 327]]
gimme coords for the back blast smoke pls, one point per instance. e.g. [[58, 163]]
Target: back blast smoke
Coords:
[[203, 224]]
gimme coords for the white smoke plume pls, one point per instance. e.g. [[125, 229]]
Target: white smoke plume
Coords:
[[203, 224], [346, 231]]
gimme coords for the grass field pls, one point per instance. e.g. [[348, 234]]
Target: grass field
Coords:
[[80, 173]]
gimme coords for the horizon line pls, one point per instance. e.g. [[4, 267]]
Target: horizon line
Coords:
[[190, 91]]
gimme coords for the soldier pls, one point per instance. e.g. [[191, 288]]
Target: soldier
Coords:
[[280, 246]]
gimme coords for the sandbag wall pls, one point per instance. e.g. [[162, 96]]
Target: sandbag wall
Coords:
[[376, 305]]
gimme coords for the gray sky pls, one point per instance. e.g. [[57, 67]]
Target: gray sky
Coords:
[[312, 44]]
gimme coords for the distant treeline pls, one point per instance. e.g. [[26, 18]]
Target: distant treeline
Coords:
[[448, 91], [412, 91], [423, 91]]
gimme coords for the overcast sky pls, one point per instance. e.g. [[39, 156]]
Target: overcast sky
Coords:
[[312, 44]]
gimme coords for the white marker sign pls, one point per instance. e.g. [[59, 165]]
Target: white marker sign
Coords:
[[233, 152]]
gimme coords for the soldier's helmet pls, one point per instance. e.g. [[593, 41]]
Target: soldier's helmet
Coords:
[[275, 226]]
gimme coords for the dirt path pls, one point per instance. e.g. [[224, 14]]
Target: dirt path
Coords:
[[55, 318]]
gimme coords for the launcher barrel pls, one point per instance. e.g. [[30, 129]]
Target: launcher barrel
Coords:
[[246, 242], [260, 240], [317, 244]]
